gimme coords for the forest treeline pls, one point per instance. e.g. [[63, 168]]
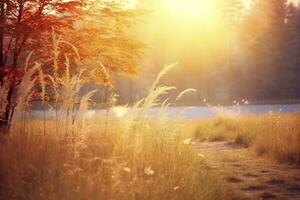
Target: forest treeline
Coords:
[[43, 37], [270, 36], [248, 53], [256, 56]]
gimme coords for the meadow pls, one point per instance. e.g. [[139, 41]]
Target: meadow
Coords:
[[149, 162], [274, 135], [74, 156], [61, 61]]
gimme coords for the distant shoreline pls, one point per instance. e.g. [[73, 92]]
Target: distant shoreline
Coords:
[[231, 103], [37, 104]]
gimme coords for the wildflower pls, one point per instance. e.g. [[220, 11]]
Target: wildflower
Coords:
[[201, 155], [187, 141], [148, 171], [176, 187], [127, 169]]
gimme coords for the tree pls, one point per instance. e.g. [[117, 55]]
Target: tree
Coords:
[[23, 25], [105, 42], [27, 25], [291, 74], [265, 39]]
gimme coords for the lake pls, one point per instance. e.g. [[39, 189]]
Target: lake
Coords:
[[206, 112], [203, 112], [200, 112]]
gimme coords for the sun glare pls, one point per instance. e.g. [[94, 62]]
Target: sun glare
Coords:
[[203, 10], [130, 4], [120, 111]]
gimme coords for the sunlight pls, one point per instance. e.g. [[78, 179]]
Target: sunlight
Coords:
[[130, 4], [202, 10], [91, 106], [120, 111]]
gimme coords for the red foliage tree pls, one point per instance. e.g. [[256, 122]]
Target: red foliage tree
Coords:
[[98, 28], [23, 24]]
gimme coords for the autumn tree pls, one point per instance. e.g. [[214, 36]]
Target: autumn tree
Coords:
[[106, 40], [98, 28], [290, 76], [266, 39], [23, 25]]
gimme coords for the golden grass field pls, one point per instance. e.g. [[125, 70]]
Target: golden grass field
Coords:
[[75, 156], [119, 160], [145, 162], [275, 136]]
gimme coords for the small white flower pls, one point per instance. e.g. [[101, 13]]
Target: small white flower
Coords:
[[176, 187], [148, 171], [201, 155], [120, 111], [187, 141], [127, 169]]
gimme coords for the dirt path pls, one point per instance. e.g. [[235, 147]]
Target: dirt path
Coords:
[[250, 177]]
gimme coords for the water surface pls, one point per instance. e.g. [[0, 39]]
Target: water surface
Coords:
[[199, 112]]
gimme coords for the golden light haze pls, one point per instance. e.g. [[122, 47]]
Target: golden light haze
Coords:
[[193, 33], [191, 9]]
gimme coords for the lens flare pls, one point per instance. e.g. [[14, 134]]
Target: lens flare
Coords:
[[120, 111]]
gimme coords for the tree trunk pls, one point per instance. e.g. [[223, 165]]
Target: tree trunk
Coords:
[[2, 21], [7, 116], [5, 122]]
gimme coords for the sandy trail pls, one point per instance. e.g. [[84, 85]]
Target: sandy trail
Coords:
[[250, 177]]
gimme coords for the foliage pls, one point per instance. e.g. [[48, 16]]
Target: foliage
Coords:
[[24, 24], [105, 41], [100, 29]]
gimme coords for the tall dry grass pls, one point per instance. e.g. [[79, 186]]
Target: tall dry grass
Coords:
[[70, 156], [154, 164], [274, 135]]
